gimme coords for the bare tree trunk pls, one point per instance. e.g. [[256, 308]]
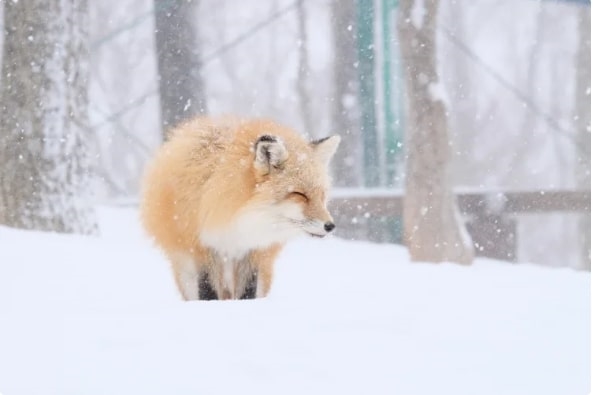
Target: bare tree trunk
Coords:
[[583, 126], [179, 66], [433, 230], [345, 111], [45, 178], [304, 70]]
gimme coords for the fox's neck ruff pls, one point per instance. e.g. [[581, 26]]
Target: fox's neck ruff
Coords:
[[254, 228]]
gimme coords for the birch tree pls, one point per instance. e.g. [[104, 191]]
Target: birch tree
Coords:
[[433, 231], [181, 86], [45, 177]]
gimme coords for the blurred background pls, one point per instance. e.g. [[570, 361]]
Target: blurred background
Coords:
[[514, 76]]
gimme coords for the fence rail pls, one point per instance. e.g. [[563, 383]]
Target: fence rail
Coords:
[[491, 216], [382, 203]]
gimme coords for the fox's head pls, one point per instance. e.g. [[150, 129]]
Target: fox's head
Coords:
[[292, 182], [277, 192]]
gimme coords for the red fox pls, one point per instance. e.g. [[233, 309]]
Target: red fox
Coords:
[[221, 198]]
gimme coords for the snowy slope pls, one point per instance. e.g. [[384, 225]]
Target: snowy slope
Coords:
[[101, 316]]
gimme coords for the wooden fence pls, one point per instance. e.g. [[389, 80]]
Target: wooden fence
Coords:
[[490, 216]]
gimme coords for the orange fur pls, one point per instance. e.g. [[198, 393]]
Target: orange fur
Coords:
[[204, 178]]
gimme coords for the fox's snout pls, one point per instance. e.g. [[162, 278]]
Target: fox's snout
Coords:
[[328, 227], [319, 225]]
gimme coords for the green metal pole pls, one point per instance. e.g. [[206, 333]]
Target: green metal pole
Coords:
[[366, 70]]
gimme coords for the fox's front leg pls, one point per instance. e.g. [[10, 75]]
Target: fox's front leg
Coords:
[[250, 291], [205, 288], [263, 263]]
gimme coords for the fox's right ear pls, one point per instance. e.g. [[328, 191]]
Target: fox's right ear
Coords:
[[326, 148], [270, 153]]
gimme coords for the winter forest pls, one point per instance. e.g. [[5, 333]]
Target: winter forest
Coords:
[[465, 142]]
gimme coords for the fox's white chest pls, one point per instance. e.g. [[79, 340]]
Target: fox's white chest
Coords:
[[255, 228]]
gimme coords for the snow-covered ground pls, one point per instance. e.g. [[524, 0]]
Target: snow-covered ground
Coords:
[[85, 316]]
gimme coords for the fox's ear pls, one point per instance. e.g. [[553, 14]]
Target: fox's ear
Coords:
[[326, 148], [270, 153]]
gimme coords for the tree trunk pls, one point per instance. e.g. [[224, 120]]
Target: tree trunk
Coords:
[[433, 230], [345, 110], [45, 177], [304, 69], [583, 126], [181, 86]]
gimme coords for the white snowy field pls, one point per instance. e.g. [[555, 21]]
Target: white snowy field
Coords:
[[82, 315]]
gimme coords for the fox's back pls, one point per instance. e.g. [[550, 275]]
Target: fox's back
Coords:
[[202, 172], [176, 177]]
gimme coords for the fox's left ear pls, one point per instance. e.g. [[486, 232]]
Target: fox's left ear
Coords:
[[326, 148], [270, 153]]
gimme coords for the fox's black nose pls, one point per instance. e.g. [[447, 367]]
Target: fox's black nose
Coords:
[[329, 226]]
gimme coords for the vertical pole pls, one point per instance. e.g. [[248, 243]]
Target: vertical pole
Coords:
[[393, 97], [390, 138], [399, 97], [366, 68], [393, 133]]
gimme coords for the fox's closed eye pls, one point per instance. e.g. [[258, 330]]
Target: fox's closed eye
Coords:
[[299, 195]]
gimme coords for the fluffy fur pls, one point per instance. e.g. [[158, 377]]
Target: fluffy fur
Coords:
[[221, 197]]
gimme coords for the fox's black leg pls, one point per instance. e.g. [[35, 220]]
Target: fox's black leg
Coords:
[[205, 290], [251, 287]]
